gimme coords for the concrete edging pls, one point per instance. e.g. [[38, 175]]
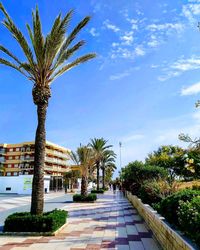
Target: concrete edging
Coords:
[[167, 237]]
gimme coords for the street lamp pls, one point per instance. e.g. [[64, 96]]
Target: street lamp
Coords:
[[120, 154]]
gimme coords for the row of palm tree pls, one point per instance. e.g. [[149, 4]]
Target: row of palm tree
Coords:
[[95, 156], [44, 59]]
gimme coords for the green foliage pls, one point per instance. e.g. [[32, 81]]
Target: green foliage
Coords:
[[189, 218], [25, 222], [100, 191], [154, 191], [136, 173], [82, 198], [47, 57], [169, 157], [169, 206]]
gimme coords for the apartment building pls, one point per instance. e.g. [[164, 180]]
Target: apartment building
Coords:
[[18, 159]]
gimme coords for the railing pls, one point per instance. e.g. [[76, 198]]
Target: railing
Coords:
[[56, 153]]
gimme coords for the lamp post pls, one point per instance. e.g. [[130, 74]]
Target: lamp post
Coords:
[[120, 154]]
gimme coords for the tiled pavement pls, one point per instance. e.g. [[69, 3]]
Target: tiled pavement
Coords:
[[14, 202], [109, 223]]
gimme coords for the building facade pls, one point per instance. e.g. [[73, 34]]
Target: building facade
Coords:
[[18, 159]]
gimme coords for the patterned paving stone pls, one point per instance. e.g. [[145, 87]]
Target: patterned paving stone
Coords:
[[110, 223]]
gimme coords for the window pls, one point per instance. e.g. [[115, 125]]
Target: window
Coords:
[[15, 173], [11, 150], [16, 157], [8, 174], [10, 158], [17, 149], [16, 165], [9, 165], [8, 188]]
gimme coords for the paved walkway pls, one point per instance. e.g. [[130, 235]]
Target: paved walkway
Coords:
[[109, 223]]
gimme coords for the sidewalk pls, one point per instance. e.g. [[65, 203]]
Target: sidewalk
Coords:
[[109, 223]]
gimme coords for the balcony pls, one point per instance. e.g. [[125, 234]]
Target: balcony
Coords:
[[56, 153], [55, 161]]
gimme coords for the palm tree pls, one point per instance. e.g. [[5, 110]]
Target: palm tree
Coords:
[[107, 162], [45, 60], [84, 158], [99, 147]]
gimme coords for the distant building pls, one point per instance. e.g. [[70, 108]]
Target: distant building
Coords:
[[18, 159]]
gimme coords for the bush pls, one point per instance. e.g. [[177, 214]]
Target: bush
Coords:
[[81, 198], [100, 191], [136, 173], [169, 206], [154, 191], [26, 222], [189, 218]]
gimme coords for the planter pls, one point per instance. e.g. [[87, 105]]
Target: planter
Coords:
[[167, 237]]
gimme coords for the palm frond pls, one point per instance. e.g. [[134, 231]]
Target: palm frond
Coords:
[[56, 37], [17, 34], [9, 64], [73, 34], [68, 53], [69, 66], [6, 51], [38, 43]]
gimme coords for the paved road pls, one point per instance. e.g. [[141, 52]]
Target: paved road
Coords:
[[19, 203], [109, 223]]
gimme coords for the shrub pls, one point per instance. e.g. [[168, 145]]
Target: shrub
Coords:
[[81, 198], [100, 191], [154, 191], [189, 218], [26, 222], [169, 206], [136, 173]]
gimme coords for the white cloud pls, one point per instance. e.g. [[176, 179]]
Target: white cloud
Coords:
[[179, 67], [153, 42], [110, 26], [191, 90], [178, 27], [127, 38], [191, 11], [93, 32], [139, 51], [119, 76]]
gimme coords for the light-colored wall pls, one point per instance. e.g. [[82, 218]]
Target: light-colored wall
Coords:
[[166, 236], [21, 184]]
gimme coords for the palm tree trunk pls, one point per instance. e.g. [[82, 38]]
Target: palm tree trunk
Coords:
[[97, 176], [84, 185], [103, 177], [37, 201]]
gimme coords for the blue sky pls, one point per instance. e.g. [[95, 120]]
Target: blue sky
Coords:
[[140, 90]]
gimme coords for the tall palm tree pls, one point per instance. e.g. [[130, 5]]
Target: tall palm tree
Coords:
[[84, 158], [107, 162], [99, 147], [44, 61]]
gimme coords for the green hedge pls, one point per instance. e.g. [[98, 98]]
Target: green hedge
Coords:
[[189, 218], [25, 222], [168, 207], [81, 198], [100, 191]]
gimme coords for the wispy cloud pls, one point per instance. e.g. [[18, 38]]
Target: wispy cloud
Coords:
[[121, 75], [178, 27], [93, 32], [127, 38], [139, 51], [191, 90], [110, 26], [179, 67], [191, 11]]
